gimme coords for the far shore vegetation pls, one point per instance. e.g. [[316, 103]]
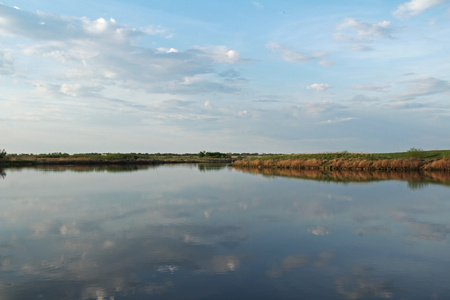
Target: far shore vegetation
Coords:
[[58, 158], [414, 159]]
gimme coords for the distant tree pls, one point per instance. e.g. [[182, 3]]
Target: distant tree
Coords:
[[201, 154], [2, 154]]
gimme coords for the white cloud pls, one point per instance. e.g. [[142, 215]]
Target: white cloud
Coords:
[[415, 7], [424, 87], [360, 34], [294, 56], [221, 54], [106, 52], [167, 50], [243, 113], [380, 30], [158, 30], [78, 90], [70, 89], [340, 120], [65, 89], [319, 87]]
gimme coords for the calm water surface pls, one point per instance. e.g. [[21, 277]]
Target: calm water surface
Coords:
[[196, 232]]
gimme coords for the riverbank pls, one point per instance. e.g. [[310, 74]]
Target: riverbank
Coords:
[[14, 160], [413, 160]]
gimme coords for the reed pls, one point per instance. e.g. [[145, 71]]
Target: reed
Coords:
[[397, 164]]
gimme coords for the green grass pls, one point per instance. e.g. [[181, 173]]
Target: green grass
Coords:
[[187, 157], [104, 158], [415, 153]]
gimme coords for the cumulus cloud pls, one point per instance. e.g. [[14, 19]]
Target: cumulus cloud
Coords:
[[319, 87], [47, 26], [106, 52], [424, 87], [415, 7], [291, 55], [360, 34]]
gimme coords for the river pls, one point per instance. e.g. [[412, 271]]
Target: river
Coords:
[[214, 232]]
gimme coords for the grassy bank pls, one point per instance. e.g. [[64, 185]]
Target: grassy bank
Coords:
[[107, 158], [414, 159]]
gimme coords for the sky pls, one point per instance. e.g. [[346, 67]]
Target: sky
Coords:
[[285, 76]]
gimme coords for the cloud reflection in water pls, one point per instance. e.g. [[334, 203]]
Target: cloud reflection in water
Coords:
[[180, 232]]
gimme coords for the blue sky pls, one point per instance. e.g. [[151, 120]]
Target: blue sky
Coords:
[[230, 76]]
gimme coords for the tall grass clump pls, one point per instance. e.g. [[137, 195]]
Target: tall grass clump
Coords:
[[416, 153]]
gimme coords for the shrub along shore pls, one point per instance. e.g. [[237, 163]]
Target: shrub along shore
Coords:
[[111, 158], [411, 160]]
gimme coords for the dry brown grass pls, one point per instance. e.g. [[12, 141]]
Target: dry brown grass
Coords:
[[350, 164], [438, 164]]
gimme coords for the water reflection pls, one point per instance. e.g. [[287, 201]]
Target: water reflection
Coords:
[[362, 283], [179, 232], [211, 167], [111, 168], [415, 180]]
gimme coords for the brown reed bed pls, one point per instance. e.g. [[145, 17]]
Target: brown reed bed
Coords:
[[350, 176], [411, 164]]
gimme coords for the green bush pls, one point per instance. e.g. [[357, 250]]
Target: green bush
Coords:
[[416, 153]]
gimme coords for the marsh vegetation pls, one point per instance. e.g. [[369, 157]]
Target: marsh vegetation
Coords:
[[58, 158], [413, 159]]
